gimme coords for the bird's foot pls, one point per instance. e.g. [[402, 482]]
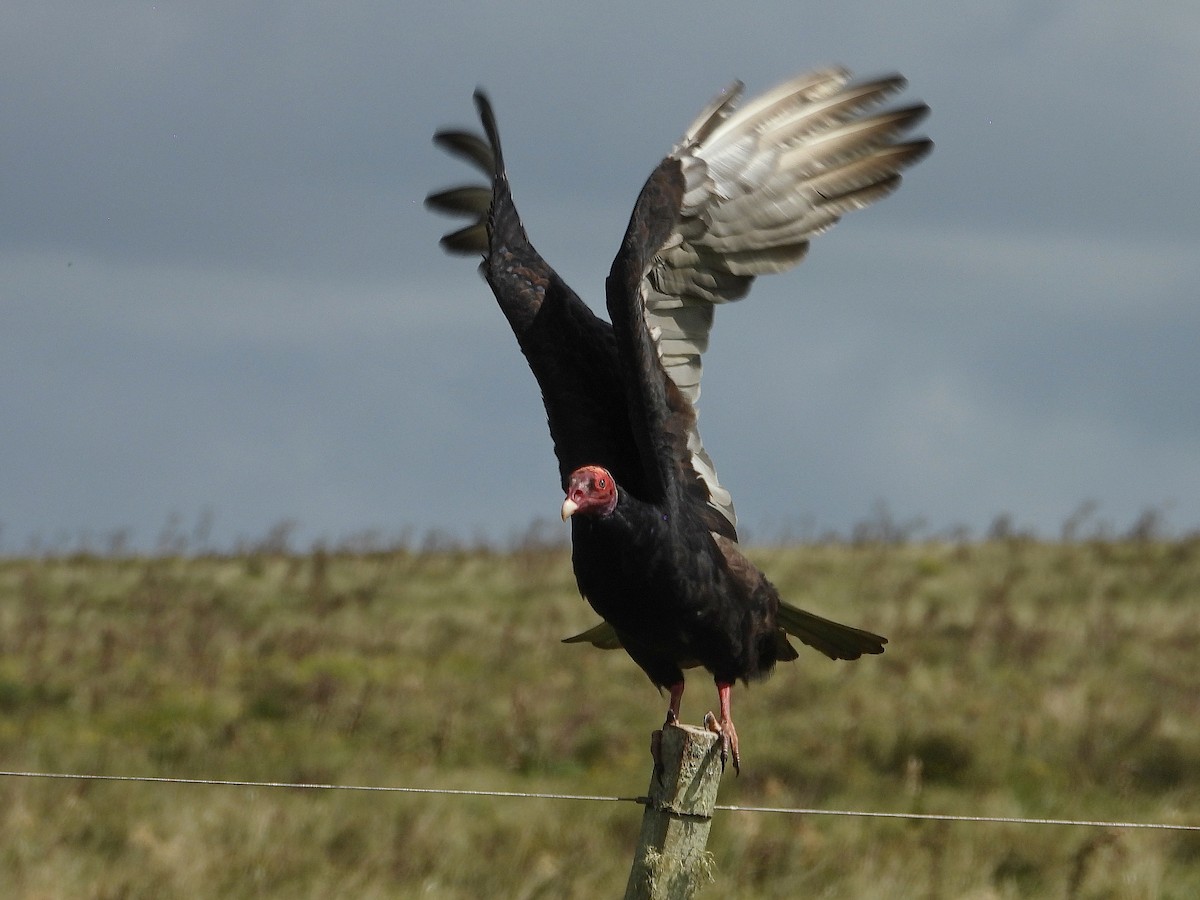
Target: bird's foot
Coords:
[[729, 740], [656, 745]]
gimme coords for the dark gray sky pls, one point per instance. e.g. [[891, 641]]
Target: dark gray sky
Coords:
[[222, 295]]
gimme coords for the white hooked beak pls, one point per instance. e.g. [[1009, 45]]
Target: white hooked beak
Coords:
[[568, 508]]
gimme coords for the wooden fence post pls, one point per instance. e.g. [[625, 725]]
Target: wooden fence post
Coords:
[[670, 860]]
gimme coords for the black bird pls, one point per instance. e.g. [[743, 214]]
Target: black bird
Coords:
[[653, 532]]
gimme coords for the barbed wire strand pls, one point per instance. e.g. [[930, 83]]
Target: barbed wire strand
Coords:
[[538, 795]]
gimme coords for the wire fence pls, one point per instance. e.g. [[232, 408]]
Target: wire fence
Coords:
[[594, 798]]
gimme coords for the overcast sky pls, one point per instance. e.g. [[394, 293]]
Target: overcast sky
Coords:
[[222, 299]]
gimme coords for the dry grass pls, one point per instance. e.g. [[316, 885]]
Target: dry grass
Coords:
[[1022, 678]]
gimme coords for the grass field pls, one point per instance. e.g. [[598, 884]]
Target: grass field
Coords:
[[1023, 678]]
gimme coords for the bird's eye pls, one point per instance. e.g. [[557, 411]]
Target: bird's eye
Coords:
[[602, 484]]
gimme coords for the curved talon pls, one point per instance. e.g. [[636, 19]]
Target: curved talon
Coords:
[[676, 697], [729, 741]]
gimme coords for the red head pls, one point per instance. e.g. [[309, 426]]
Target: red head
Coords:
[[591, 491]]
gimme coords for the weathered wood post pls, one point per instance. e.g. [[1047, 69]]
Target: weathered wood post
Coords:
[[670, 861]]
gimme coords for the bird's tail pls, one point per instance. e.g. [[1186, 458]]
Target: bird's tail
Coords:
[[835, 640]]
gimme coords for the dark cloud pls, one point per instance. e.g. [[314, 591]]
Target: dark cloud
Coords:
[[222, 292]]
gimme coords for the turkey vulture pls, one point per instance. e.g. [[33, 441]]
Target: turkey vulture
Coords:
[[653, 532]]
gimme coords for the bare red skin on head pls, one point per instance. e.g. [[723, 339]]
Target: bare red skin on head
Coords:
[[591, 491]]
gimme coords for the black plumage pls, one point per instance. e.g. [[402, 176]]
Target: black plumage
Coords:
[[653, 532]]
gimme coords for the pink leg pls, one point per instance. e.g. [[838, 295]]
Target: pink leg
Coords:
[[672, 717], [673, 710], [729, 740]]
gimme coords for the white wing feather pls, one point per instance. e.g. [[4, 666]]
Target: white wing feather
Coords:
[[759, 183]]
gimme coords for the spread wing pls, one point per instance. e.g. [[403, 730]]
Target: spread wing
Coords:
[[570, 350], [759, 183]]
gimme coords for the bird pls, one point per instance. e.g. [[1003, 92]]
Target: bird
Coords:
[[654, 533]]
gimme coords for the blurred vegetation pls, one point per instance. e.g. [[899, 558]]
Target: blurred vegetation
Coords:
[[1023, 678]]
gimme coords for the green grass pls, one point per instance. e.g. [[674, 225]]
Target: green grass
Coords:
[[1022, 679]]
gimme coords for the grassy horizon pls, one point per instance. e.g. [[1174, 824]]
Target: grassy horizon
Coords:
[[1023, 677]]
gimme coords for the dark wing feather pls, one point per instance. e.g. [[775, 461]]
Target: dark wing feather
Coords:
[[569, 349], [659, 414], [468, 146]]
